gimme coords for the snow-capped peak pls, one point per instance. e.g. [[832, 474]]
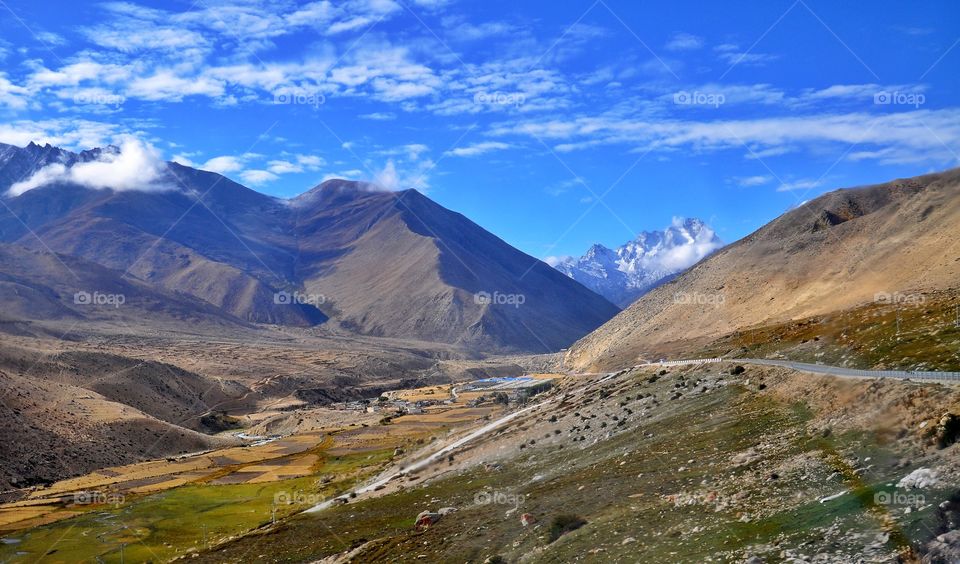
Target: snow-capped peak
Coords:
[[624, 274]]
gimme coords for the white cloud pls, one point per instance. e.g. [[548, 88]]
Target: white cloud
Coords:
[[50, 39], [686, 255], [11, 95], [554, 261], [564, 187], [467, 31], [314, 13], [801, 184], [353, 174], [135, 166], [411, 151], [905, 136], [69, 133], [224, 164], [748, 181], [388, 179], [257, 177], [397, 175], [379, 116], [733, 55], [684, 42], [167, 85], [432, 4], [284, 167], [478, 149], [310, 162], [184, 160]]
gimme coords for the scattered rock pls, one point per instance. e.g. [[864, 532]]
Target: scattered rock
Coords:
[[920, 478]]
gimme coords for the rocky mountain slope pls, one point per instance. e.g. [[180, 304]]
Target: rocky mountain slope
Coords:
[[624, 274], [691, 464], [890, 243], [71, 413], [378, 263]]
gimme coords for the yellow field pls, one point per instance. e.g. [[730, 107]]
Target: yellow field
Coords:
[[289, 457]]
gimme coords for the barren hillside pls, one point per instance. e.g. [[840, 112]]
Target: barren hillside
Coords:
[[840, 250]]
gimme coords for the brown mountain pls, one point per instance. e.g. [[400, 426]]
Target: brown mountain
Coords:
[[392, 264], [838, 251]]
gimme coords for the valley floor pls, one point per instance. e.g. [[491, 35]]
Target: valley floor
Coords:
[[689, 464]]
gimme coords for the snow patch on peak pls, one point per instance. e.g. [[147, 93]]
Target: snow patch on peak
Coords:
[[624, 274]]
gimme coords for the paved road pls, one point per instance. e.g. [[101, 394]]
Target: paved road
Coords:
[[825, 369]]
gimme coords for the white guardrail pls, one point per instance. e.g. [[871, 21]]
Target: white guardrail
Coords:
[[822, 369]]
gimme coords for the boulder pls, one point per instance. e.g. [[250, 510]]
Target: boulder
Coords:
[[947, 430], [944, 548], [426, 519], [527, 519]]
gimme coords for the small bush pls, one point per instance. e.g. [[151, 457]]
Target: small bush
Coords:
[[563, 524], [737, 370]]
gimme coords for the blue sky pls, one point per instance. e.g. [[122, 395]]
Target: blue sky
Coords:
[[554, 125]]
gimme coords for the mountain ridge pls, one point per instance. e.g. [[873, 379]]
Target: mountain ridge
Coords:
[[370, 261]]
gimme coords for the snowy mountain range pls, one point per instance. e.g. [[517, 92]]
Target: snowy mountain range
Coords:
[[624, 274]]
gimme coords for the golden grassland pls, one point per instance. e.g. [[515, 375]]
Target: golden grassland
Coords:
[[338, 456]]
